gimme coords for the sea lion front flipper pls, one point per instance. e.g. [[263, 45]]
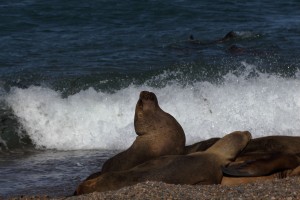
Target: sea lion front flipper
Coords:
[[263, 166], [295, 172], [241, 169]]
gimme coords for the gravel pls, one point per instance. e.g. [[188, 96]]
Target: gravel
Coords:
[[288, 188]]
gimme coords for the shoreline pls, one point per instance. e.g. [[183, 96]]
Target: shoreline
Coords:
[[287, 188]]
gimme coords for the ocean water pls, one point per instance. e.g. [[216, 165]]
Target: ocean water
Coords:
[[71, 73]]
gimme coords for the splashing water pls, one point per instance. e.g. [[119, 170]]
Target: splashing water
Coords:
[[265, 104]]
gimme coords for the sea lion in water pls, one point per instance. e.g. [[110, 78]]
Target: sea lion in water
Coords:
[[229, 36], [234, 49], [196, 168], [158, 132]]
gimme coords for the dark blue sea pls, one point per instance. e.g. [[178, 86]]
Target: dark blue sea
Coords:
[[71, 73]]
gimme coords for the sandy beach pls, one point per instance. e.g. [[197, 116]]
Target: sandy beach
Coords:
[[288, 188]]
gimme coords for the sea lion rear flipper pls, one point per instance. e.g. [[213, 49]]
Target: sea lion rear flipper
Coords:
[[244, 169], [263, 166]]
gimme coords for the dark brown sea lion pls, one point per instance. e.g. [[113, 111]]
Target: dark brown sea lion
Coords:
[[262, 165], [196, 168], [234, 49], [158, 134], [229, 36], [261, 145], [231, 181], [262, 158], [200, 146], [274, 144]]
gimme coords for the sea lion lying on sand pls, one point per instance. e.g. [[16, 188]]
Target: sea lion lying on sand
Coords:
[[262, 165], [261, 145], [263, 158], [196, 168], [200, 146], [231, 181], [158, 134], [270, 167]]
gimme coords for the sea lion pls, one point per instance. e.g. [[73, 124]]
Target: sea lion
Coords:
[[158, 132], [234, 49], [200, 146], [262, 158], [229, 36], [262, 165], [258, 167], [231, 181], [196, 168], [269, 144], [273, 144]]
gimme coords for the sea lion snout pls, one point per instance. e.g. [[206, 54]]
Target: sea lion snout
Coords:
[[145, 95], [242, 138], [248, 135], [147, 98]]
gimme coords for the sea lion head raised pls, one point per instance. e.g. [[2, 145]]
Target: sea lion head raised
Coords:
[[158, 134], [145, 111], [157, 127], [151, 119], [147, 102]]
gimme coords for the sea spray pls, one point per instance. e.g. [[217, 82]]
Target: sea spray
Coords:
[[264, 104]]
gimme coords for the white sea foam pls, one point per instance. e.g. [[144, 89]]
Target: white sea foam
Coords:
[[91, 119]]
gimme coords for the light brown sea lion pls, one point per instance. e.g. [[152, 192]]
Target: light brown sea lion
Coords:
[[196, 168], [158, 134]]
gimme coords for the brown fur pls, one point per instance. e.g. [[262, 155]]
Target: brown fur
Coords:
[[200, 146], [158, 134], [274, 144], [264, 158], [231, 181], [261, 145], [259, 165], [196, 168]]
